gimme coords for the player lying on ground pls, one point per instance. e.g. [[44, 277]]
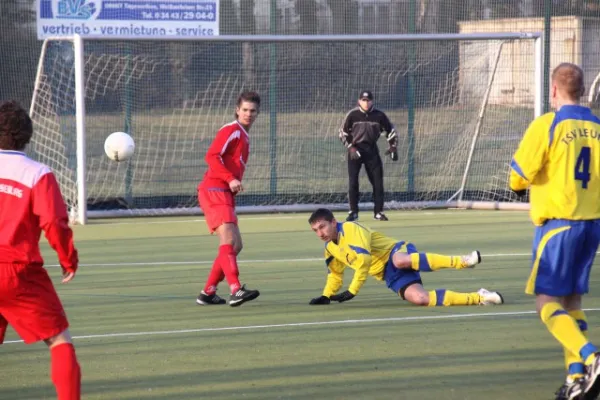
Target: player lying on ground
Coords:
[[398, 263], [30, 201]]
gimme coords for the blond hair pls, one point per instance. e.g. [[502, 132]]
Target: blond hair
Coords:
[[568, 78]]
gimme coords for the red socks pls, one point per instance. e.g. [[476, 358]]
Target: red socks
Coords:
[[228, 261], [225, 266], [65, 372], [215, 276]]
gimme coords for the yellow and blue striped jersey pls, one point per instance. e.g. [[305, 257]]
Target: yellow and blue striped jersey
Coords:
[[360, 248], [559, 159]]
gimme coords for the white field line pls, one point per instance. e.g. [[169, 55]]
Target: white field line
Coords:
[[300, 324], [282, 260], [298, 216]]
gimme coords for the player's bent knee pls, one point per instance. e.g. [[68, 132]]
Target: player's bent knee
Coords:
[[542, 299], [416, 295], [420, 300], [228, 234], [63, 337], [402, 260]]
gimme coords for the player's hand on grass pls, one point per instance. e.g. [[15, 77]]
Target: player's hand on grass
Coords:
[[236, 186], [342, 297], [320, 300], [353, 153]]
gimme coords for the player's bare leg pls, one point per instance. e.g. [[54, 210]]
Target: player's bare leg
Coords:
[[229, 234], [230, 245], [427, 262], [416, 294], [64, 370]]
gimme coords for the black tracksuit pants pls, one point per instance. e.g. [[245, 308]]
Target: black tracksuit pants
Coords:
[[374, 168]]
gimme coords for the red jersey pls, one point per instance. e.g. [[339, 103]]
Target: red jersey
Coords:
[[227, 156], [31, 201]]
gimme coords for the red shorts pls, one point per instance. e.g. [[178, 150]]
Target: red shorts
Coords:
[[218, 206], [29, 303]]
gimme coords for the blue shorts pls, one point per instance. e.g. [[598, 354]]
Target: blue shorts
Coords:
[[398, 279], [563, 254]]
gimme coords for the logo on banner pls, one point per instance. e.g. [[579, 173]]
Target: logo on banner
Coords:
[[76, 9]]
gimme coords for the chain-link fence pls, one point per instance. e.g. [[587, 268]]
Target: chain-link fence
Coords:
[[574, 27], [432, 90]]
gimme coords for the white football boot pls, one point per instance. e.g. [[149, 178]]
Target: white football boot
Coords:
[[489, 298], [471, 259]]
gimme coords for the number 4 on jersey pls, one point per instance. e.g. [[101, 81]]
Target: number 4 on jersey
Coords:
[[582, 167]]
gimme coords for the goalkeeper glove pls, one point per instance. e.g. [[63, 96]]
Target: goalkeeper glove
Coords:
[[353, 153], [392, 150], [342, 297], [320, 300]]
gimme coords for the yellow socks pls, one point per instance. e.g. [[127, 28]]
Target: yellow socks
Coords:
[[573, 362], [443, 297], [427, 262], [564, 328]]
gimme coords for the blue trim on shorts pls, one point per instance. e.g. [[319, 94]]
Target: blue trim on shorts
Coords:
[[565, 261]]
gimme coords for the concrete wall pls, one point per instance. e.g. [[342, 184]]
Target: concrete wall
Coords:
[[573, 39]]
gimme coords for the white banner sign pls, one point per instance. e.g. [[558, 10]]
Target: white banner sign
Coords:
[[128, 19]]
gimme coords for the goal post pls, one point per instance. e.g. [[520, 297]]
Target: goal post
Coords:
[[44, 113], [474, 96]]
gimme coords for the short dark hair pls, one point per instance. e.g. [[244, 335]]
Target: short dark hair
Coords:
[[569, 78], [321, 214], [16, 127], [249, 96]]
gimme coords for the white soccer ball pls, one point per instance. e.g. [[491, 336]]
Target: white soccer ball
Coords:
[[119, 146]]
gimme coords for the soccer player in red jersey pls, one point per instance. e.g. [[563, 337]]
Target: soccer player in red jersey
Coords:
[[31, 202], [226, 158]]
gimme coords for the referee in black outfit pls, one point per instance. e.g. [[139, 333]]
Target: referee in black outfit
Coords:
[[360, 131]]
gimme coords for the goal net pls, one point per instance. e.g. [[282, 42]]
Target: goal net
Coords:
[[459, 102]]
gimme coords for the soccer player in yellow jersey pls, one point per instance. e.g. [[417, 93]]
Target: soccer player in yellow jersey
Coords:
[[558, 159], [398, 263]]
